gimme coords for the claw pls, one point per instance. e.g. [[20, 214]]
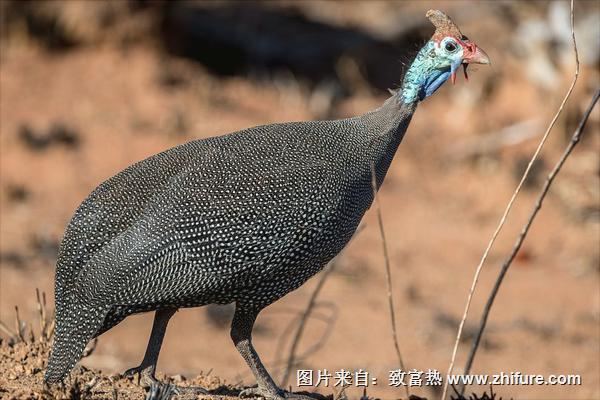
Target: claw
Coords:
[[189, 390], [159, 391], [164, 391], [156, 388], [258, 392], [131, 372]]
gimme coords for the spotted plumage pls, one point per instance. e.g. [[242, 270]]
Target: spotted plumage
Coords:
[[244, 218]]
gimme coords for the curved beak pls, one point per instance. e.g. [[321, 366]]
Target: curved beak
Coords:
[[477, 56], [473, 55]]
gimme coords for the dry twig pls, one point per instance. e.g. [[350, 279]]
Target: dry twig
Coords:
[[302, 319], [305, 316], [517, 246], [41, 307], [19, 325], [46, 329], [510, 204], [511, 135], [301, 325], [7, 330], [388, 274]]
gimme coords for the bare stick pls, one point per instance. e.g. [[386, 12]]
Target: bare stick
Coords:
[[7, 331], [509, 206], [51, 328], [42, 314], [293, 323], [305, 316], [325, 336], [517, 246], [19, 325], [329, 322], [511, 135], [282, 341], [311, 303], [388, 273], [44, 317]]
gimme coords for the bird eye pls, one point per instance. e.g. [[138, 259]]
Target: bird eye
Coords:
[[450, 46]]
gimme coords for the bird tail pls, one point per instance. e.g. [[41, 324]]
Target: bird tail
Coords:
[[72, 334]]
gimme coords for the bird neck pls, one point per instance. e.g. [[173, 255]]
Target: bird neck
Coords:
[[388, 124]]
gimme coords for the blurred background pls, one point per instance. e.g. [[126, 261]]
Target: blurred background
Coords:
[[88, 88]]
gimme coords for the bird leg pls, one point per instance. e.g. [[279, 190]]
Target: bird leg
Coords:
[[146, 370], [241, 334]]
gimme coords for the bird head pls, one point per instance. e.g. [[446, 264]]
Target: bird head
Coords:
[[440, 58]]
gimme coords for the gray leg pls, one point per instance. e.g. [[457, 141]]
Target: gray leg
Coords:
[[147, 368], [241, 333]]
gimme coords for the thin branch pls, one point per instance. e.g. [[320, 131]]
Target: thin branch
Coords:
[[301, 325], [282, 341], [289, 330], [329, 321], [41, 308], [517, 246], [7, 331], [50, 332], [305, 316], [19, 325], [291, 360], [388, 274], [511, 135], [509, 206], [325, 336]]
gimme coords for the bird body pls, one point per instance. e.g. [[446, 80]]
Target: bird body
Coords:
[[243, 218], [246, 217]]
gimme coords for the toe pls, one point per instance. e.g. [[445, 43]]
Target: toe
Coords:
[[296, 396], [132, 371], [254, 392], [189, 390], [160, 391], [249, 392]]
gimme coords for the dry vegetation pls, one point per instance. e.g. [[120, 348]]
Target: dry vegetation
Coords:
[[22, 366], [23, 358]]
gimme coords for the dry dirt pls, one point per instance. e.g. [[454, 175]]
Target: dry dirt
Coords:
[[439, 214], [22, 365]]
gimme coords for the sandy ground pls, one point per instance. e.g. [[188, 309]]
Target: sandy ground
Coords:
[[438, 216], [22, 364]]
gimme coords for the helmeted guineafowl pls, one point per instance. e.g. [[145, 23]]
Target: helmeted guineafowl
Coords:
[[244, 218]]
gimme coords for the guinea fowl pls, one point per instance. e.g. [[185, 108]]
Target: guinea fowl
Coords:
[[243, 218]]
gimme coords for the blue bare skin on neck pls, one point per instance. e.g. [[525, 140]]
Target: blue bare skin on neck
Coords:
[[427, 73]]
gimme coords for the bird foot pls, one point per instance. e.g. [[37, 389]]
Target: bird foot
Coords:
[[181, 390], [267, 394], [145, 376], [164, 391], [159, 390]]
